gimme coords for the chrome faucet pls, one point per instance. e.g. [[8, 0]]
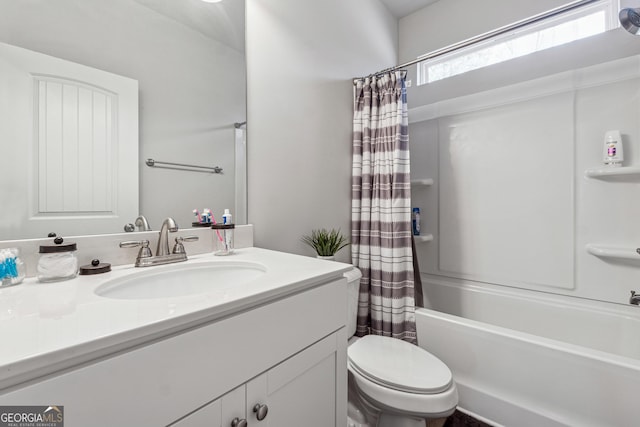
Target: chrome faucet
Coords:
[[142, 224], [163, 256], [168, 225], [634, 299]]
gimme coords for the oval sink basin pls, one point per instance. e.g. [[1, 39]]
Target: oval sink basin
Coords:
[[180, 280]]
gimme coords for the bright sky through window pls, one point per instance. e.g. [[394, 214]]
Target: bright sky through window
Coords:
[[516, 46]]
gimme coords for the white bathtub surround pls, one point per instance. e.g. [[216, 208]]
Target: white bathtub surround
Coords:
[[499, 217], [381, 207], [532, 359]]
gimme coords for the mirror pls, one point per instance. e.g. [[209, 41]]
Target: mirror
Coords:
[[188, 59]]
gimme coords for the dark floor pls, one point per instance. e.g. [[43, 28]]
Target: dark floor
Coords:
[[460, 419]]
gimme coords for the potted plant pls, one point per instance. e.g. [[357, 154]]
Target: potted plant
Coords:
[[326, 243]]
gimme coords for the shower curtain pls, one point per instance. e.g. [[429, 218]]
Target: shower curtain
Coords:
[[381, 208]]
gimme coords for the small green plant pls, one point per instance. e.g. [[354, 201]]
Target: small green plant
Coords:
[[326, 243]]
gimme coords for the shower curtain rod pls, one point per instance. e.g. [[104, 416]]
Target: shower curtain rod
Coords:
[[485, 36]]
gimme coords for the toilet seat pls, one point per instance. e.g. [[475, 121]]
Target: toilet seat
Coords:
[[399, 365], [399, 377]]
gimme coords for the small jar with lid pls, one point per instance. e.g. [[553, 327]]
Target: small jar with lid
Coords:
[[58, 261]]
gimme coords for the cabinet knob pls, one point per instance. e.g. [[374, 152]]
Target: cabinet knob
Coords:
[[237, 422], [260, 411]]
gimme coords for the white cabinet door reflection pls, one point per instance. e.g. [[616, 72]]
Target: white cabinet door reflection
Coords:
[[76, 142], [73, 132]]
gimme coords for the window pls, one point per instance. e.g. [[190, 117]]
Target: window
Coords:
[[560, 29]]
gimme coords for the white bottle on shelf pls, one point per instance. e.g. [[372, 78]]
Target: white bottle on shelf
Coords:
[[613, 153]]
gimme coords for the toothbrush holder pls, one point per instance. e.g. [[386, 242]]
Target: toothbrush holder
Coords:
[[223, 238]]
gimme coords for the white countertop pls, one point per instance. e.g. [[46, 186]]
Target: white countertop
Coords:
[[46, 327]]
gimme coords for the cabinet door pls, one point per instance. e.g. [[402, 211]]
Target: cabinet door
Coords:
[[301, 391], [219, 413]]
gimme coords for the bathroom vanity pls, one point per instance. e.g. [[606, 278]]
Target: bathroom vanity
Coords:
[[269, 350]]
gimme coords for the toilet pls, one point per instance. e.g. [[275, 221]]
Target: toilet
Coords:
[[393, 383]]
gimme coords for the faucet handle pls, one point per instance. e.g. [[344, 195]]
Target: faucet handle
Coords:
[[145, 251], [178, 248]]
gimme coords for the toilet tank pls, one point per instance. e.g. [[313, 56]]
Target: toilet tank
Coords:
[[353, 289]]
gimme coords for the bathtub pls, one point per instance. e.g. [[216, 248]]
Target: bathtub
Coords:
[[523, 358]]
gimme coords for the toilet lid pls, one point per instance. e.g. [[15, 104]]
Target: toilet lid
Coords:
[[399, 365]]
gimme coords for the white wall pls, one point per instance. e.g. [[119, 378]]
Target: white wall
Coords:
[[301, 58], [188, 101], [511, 204]]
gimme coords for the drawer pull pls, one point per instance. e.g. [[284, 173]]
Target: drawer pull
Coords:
[[260, 411]]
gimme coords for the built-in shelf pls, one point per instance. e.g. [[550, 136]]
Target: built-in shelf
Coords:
[[425, 238], [605, 172], [422, 182], [613, 252]]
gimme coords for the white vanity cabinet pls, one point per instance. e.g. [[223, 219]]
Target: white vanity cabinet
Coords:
[[224, 411], [288, 353], [299, 391]]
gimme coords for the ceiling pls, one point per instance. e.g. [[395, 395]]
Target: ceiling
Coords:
[[222, 21], [402, 8]]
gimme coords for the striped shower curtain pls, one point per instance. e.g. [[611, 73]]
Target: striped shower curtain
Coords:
[[381, 208]]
